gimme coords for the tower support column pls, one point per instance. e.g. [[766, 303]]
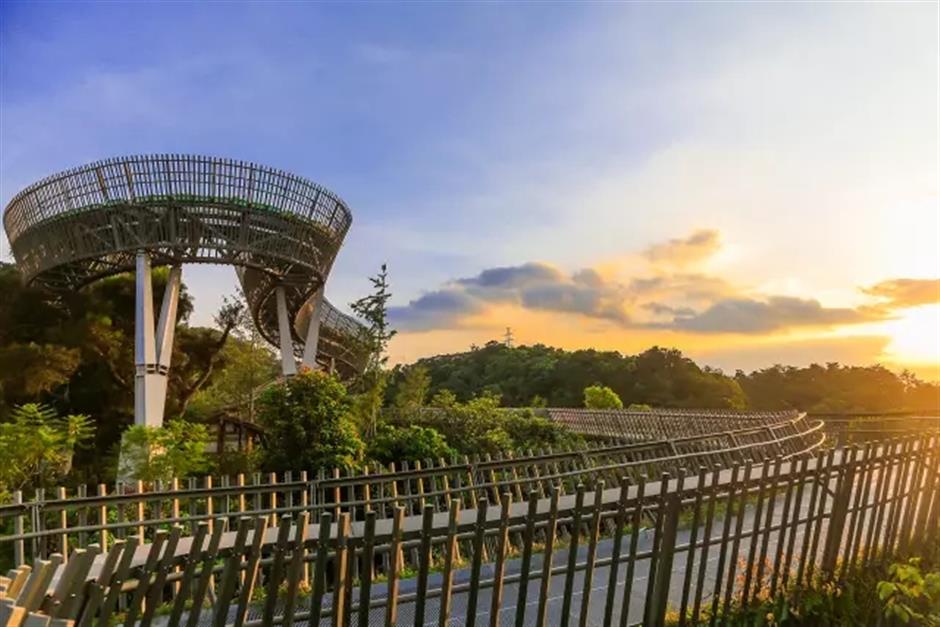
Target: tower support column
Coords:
[[288, 363], [153, 344], [313, 332]]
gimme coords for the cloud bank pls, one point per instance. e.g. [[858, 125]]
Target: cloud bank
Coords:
[[671, 295], [901, 293]]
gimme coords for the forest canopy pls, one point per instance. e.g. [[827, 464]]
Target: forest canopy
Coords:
[[659, 377]]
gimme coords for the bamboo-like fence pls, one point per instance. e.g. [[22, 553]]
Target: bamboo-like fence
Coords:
[[699, 543]]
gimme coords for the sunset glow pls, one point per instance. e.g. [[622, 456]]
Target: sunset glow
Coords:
[[750, 183]]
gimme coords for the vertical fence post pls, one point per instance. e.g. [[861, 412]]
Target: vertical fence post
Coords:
[[450, 556], [479, 537], [528, 539], [63, 523], [929, 493], [304, 503], [272, 481], [840, 505], [545, 583], [396, 559], [591, 554], [424, 562], [499, 570], [656, 611], [38, 526], [103, 516], [19, 546], [240, 482], [575, 533], [209, 508], [82, 516]]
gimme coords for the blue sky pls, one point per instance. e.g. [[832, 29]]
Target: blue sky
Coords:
[[475, 136]]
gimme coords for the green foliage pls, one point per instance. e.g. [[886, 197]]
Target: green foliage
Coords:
[[538, 402], [836, 388], [662, 377], [481, 426], [308, 424], [657, 377], [411, 443], [74, 351], [910, 595], [413, 390], [529, 431], [374, 310], [176, 449], [601, 397], [372, 383], [29, 370], [906, 593], [37, 446], [444, 399], [246, 364]]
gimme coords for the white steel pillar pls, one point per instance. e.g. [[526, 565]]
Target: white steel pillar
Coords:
[[313, 332], [145, 350], [153, 347], [288, 364], [166, 328]]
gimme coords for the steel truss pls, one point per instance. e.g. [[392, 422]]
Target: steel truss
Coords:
[[281, 232]]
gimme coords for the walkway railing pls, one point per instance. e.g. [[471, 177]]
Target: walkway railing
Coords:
[[699, 543], [653, 424], [63, 521]]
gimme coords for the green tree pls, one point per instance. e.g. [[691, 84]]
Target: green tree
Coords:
[[75, 352], [444, 399], [248, 364], [371, 384], [411, 443], [176, 449], [308, 425], [413, 390], [838, 389], [37, 446], [601, 397]]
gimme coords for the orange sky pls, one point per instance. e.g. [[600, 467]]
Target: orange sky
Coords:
[[674, 294]]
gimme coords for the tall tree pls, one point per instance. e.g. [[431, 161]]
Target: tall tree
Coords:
[[371, 384]]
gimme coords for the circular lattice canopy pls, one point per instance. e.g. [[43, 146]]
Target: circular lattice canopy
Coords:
[[86, 223]]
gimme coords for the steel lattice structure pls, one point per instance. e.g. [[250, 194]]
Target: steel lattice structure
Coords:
[[281, 232]]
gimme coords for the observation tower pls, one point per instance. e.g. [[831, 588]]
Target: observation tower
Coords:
[[281, 233]]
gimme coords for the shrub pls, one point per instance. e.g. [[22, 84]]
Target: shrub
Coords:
[[411, 443], [176, 449], [308, 425], [37, 445], [910, 595], [601, 397], [481, 426]]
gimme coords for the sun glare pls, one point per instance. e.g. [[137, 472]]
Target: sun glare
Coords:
[[915, 336]]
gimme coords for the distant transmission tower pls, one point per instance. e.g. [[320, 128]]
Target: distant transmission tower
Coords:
[[507, 339]]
